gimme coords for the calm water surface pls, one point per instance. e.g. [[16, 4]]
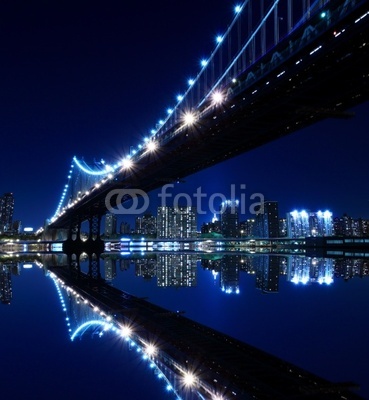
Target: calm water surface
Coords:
[[311, 312]]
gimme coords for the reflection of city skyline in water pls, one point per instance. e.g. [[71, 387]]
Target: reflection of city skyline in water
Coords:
[[181, 270]]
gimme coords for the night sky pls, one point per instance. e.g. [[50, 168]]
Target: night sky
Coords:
[[92, 78]]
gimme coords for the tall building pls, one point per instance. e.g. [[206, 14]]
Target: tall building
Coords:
[[229, 221], [165, 223], [185, 222], [247, 228], [125, 228], [267, 220], [146, 225], [305, 223], [176, 222], [110, 224], [6, 212], [282, 227], [348, 226], [211, 227]]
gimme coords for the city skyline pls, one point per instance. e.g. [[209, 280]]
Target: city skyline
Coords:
[[101, 110], [88, 82]]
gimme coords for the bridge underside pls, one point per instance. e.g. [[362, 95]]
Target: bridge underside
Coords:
[[275, 99]]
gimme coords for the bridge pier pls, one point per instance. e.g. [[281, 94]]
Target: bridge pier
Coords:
[[75, 244]]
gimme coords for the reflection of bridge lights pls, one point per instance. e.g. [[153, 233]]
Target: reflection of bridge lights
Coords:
[[189, 118], [126, 331], [189, 379], [150, 350], [217, 97]]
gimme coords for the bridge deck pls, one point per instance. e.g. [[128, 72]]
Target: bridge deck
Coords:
[[321, 71]]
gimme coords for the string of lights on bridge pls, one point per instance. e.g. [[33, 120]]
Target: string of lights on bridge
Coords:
[[149, 143], [149, 351], [216, 96]]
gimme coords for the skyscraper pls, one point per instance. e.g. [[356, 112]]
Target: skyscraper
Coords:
[[229, 218], [305, 223], [146, 225], [110, 224], [267, 220], [176, 222], [6, 212], [165, 223]]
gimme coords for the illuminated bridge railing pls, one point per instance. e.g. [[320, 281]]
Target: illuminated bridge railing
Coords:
[[267, 40]]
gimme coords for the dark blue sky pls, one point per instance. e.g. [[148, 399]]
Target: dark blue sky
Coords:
[[92, 78]]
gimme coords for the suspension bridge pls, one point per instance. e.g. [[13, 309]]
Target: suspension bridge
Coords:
[[280, 66]]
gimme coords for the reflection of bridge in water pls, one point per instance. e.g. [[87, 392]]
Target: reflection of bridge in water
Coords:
[[197, 361]]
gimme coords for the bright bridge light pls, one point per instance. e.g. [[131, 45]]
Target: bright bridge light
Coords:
[[151, 146], [238, 9], [219, 39], [127, 163]]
